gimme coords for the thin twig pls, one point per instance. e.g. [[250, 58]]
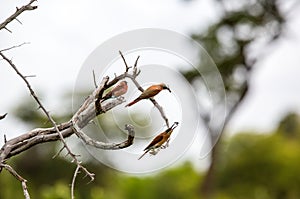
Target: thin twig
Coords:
[[135, 73], [36, 98], [26, 76], [5, 140], [73, 156], [127, 67], [16, 46], [136, 61], [73, 181], [94, 78], [3, 116], [18, 177], [19, 21], [60, 150], [84, 115], [16, 14]]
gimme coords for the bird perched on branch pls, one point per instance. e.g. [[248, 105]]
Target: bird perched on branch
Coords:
[[150, 92], [159, 140], [118, 90]]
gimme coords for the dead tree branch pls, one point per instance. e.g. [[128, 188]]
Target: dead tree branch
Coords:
[[3, 116], [73, 156], [16, 46], [73, 181], [18, 177], [90, 108], [133, 76], [107, 146], [16, 14]]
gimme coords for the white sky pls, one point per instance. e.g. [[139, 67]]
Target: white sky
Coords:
[[63, 33]]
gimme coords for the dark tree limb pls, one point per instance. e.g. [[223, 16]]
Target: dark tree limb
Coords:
[[16, 14], [3, 116], [207, 186]]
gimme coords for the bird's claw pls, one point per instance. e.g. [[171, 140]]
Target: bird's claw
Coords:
[[154, 152], [166, 145]]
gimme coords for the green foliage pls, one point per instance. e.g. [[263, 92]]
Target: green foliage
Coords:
[[59, 191], [290, 126], [181, 182], [260, 166], [10, 187]]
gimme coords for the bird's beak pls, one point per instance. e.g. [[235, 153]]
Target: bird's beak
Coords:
[[174, 125], [168, 89]]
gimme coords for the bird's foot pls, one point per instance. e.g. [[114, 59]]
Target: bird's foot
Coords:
[[154, 151], [166, 145]]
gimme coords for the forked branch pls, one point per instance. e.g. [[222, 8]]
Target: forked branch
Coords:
[[90, 108], [16, 14]]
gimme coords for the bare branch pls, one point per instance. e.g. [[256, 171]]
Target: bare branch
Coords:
[[73, 181], [37, 100], [16, 14], [7, 29], [57, 154], [90, 108], [107, 146], [136, 61], [94, 78], [16, 46], [19, 21], [135, 73], [127, 67], [18, 177], [3, 116], [25, 190], [5, 140], [73, 156]]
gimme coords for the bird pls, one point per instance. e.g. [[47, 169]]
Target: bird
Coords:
[[118, 90], [159, 140], [150, 92]]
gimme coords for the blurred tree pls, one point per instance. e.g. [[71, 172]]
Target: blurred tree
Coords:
[[259, 166], [290, 126], [236, 43], [177, 183]]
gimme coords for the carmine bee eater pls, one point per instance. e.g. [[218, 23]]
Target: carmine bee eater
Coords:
[[118, 90], [160, 139], [150, 92]]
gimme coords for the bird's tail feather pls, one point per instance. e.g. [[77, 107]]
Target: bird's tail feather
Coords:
[[133, 102], [143, 154]]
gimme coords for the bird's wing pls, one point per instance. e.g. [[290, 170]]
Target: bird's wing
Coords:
[[119, 90], [154, 141], [150, 92], [119, 86]]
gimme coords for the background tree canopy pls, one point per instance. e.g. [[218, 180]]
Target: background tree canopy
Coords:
[[251, 165]]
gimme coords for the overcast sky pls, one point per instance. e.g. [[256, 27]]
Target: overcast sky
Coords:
[[63, 33]]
